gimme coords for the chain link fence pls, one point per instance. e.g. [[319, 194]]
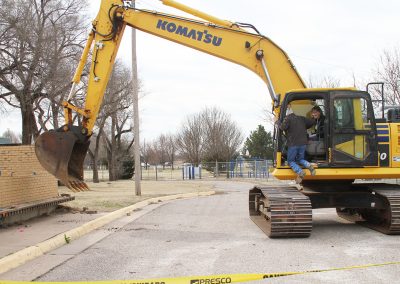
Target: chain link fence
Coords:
[[250, 169], [256, 169]]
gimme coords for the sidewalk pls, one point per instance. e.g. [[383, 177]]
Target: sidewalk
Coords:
[[31, 232]]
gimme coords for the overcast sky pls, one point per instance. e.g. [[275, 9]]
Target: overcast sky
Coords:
[[337, 38]]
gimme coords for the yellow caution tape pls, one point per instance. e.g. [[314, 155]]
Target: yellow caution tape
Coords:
[[212, 279]]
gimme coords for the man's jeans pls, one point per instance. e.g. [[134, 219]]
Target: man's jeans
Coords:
[[295, 155]]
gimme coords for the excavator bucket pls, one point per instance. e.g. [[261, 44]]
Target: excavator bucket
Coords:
[[62, 154]]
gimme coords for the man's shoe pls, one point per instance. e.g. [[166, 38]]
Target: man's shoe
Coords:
[[300, 177], [312, 170]]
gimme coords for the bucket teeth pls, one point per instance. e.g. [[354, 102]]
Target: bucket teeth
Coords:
[[72, 187], [86, 186], [77, 186], [82, 185]]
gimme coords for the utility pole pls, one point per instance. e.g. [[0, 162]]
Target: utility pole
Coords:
[[138, 167]]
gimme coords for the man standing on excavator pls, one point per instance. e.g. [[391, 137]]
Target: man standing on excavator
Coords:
[[295, 128]]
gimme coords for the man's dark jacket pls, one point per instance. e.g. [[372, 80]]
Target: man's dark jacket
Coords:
[[296, 129]]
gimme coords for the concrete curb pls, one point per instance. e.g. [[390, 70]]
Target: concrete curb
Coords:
[[20, 257]]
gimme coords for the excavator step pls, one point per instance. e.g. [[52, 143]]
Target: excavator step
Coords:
[[280, 211], [385, 220]]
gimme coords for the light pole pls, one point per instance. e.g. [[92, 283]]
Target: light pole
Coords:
[[138, 168]]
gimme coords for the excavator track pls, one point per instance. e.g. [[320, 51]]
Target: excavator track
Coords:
[[385, 220], [281, 211]]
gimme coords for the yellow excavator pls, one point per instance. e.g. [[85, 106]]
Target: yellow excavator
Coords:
[[355, 145]]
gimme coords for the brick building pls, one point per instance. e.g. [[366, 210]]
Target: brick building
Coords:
[[25, 185]]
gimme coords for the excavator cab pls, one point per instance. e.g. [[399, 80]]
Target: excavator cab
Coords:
[[349, 129]]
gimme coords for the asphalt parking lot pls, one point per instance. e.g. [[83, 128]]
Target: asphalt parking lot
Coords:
[[214, 235]]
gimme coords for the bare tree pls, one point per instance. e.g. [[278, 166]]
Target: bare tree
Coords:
[[190, 139], [209, 135], [38, 39], [388, 71], [161, 146], [161, 151], [112, 123], [323, 82], [145, 153], [12, 136], [153, 155], [222, 136], [171, 149], [118, 116], [94, 150]]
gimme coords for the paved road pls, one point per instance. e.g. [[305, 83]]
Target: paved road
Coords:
[[213, 235]]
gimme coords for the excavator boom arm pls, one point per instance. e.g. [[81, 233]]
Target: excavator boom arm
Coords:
[[253, 51]]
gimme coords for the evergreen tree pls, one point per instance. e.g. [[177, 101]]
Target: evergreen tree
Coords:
[[260, 143]]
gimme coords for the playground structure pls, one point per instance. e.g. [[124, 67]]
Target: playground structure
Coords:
[[254, 168]]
